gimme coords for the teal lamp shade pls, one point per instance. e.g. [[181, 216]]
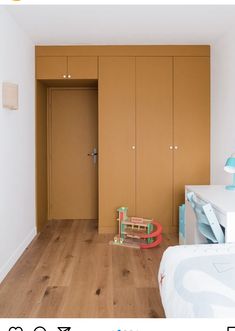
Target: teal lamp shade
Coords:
[[230, 168]]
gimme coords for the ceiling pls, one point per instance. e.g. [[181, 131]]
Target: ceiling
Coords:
[[132, 24]]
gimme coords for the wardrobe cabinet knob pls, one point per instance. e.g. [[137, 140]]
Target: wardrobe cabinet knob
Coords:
[[176, 147], [133, 147], [64, 76], [69, 76], [171, 147]]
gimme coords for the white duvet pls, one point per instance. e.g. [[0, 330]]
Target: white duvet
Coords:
[[198, 281]]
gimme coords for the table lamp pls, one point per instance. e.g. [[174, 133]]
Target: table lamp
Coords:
[[230, 167]]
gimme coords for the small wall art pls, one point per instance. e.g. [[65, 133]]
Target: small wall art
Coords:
[[10, 96]]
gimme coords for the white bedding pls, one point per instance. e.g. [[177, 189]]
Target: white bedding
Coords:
[[198, 281]]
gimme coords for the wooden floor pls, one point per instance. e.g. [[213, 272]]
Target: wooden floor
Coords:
[[71, 271]]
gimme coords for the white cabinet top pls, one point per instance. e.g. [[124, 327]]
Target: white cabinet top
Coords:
[[216, 195]]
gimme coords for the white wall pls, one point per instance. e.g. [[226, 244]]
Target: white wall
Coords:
[[17, 145], [222, 106]]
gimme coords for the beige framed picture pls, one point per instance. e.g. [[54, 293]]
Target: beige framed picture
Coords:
[[10, 96]]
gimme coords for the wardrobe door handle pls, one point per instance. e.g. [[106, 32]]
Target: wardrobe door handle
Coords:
[[171, 147], [69, 76], [64, 76], [176, 147]]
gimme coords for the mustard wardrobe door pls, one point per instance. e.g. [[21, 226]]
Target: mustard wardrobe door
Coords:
[[154, 135], [191, 125], [80, 67], [51, 67], [116, 139]]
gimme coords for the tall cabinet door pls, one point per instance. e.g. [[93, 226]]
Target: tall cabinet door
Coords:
[[191, 125], [116, 138], [154, 137]]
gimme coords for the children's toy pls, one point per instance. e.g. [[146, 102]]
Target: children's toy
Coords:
[[136, 232]]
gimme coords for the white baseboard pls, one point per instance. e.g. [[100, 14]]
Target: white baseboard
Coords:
[[17, 253]]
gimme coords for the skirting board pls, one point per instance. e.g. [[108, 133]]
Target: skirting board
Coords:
[[17, 254]]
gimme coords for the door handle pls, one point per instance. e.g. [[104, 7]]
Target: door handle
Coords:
[[93, 154]]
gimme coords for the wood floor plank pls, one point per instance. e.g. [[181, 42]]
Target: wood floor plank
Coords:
[[15, 287], [142, 268], [39, 279], [124, 300], [92, 283], [70, 270], [137, 303], [123, 269], [64, 268], [51, 302]]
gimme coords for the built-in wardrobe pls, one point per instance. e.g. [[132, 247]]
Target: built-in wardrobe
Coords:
[[153, 123]]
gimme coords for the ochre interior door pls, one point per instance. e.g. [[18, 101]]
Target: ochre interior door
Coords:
[[73, 187], [116, 139], [154, 136], [191, 125]]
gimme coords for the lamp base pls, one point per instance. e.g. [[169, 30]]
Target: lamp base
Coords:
[[230, 187]]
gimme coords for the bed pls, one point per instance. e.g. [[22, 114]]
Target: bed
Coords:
[[198, 281]]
